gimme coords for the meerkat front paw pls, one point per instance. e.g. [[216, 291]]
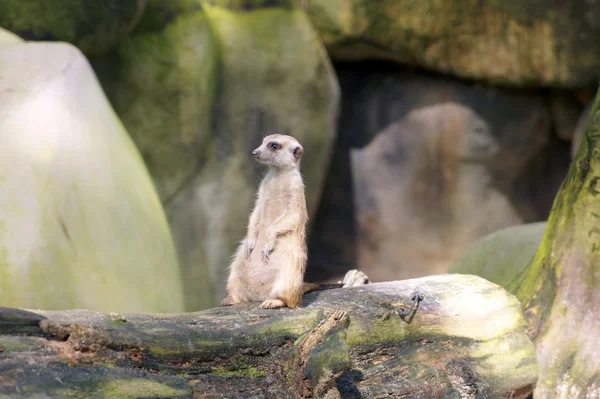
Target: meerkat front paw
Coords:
[[272, 304], [266, 251]]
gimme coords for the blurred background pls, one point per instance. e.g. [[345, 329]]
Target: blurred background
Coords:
[[126, 179]]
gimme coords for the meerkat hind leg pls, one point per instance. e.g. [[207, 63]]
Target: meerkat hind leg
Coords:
[[273, 304]]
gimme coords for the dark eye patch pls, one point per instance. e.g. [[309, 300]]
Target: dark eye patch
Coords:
[[274, 146]]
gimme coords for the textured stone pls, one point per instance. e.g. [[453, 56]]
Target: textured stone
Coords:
[[93, 26], [534, 42], [81, 225]]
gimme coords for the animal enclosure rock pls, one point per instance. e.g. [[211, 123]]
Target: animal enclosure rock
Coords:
[[81, 225], [502, 255], [560, 288], [533, 42], [466, 337], [93, 26]]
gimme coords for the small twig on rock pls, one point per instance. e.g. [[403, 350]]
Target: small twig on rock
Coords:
[[415, 298]]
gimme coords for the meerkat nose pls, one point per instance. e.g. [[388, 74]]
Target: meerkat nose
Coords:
[[255, 153]]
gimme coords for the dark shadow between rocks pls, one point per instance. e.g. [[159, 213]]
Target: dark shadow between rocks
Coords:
[[346, 384]]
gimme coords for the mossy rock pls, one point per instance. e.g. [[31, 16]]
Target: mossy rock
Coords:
[[466, 335], [181, 83], [81, 225], [501, 256], [504, 42], [93, 26]]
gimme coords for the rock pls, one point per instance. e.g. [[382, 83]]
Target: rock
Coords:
[[502, 255], [376, 96], [93, 26], [466, 336], [422, 192], [580, 129], [559, 289], [530, 43], [7, 37], [162, 81], [182, 83], [81, 225]]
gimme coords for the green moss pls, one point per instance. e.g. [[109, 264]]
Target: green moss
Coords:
[[502, 255], [162, 84], [243, 371], [292, 324], [330, 354], [387, 329], [139, 388], [177, 348], [159, 14], [14, 344], [93, 26]]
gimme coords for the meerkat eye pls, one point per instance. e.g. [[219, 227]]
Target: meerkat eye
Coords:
[[274, 146]]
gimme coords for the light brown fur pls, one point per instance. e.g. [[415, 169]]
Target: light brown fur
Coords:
[[270, 261]]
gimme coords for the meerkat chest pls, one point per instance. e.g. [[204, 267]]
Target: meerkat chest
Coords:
[[276, 199]]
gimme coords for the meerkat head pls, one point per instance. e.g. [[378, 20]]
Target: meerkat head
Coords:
[[279, 150]]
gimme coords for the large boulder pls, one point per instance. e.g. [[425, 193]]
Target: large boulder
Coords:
[[198, 84], [93, 26], [502, 255], [508, 42], [377, 100], [81, 225]]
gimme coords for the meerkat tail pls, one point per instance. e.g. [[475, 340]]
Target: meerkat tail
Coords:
[[309, 287]]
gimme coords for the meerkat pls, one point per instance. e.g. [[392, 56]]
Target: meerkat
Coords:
[[270, 261]]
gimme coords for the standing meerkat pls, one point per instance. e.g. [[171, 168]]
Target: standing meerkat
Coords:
[[269, 263]]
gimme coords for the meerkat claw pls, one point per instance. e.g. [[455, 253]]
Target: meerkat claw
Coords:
[[266, 251], [249, 248], [265, 257]]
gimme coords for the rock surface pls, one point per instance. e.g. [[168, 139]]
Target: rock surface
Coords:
[[502, 255], [346, 343], [198, 84], [81, 225], [560, 288], [542, 43], [93, 26]]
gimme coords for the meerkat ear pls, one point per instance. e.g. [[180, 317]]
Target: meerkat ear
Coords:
[[298, 151]]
